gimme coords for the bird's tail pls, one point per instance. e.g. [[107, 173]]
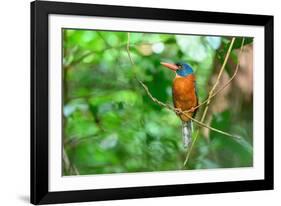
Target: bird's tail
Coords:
[[186, 133]]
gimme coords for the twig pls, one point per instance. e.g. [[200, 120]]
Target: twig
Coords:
[[168, 106], [104, 40], [128, 50], [214, 94], [75, 140], [218, 79], [235, 72], [70, 168], [88, 53]]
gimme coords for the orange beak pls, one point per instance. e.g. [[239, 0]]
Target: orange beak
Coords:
[[170, 66]]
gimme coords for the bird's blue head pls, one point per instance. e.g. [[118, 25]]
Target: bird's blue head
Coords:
[[182, 69]]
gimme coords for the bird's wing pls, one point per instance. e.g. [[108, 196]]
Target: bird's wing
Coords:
[[195, 86], [196, 94]]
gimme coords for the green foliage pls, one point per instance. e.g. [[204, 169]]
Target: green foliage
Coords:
[[112, 126]]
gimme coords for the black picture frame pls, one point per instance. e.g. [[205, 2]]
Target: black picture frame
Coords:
[[40, 100]]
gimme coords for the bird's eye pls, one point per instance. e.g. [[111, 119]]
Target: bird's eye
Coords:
[[179, 65]]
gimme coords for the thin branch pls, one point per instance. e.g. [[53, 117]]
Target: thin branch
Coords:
[[214, 94], [218, 80], [70, 168], [128, 50], [88, 53], [220, 89], [168, 106], [70, 142], [104, 40], [235, 72]]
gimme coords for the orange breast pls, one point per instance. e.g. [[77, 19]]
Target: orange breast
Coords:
[[184, 94]]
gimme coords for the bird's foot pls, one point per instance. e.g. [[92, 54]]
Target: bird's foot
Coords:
[[192, 109], [178, 111]]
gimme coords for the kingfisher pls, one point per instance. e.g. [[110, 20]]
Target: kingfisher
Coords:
[[184, 96]]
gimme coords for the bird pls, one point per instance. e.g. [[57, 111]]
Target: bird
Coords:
[[185, 96]]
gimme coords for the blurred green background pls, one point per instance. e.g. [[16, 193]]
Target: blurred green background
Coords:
[[112, 126]]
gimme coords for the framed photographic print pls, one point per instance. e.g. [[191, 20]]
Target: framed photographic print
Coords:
[[131, 102]]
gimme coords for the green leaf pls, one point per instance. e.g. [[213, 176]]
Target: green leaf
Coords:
[[238, 42]]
